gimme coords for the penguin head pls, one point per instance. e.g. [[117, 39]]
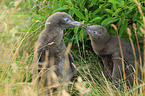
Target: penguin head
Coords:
[[62, 20], [96, 32]]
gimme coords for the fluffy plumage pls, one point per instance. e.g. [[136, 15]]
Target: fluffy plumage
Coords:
[[51, 39], [107, 47]]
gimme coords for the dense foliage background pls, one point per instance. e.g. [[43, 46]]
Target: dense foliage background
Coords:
[[21, 21]]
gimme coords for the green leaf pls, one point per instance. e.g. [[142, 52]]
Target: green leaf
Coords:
[[92, 3], [131, 0], [81, 34], [116, 12], [82, 2], [60, 9], [114, 7], [96, 11], [69, 2], [86, 14], [95, 19], [61, 2], [114, 2], [76, 30], [101, 5], [122, 2], [38, 17], [109, 11], [108, 21], [123, 27], [78, 13]]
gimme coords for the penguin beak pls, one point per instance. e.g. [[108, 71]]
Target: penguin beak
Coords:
[[87, 28], [74, 23]]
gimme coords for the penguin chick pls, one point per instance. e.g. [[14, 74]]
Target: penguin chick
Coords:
[[107, 47], [51, 40]]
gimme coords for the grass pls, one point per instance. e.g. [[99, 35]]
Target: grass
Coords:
[[20, 25]]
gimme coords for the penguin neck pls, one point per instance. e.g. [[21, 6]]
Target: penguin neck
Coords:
[[99, 44], [54, 34]]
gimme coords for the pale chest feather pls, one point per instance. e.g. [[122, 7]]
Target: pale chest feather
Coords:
[[98, 48]]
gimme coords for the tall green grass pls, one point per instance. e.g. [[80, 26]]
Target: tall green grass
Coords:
[[21, 21]]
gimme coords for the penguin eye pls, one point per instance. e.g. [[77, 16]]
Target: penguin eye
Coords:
[[66, 19], [95, 32]]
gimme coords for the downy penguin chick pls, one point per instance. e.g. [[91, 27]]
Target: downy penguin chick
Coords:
[[51, 40], [107, 47]]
